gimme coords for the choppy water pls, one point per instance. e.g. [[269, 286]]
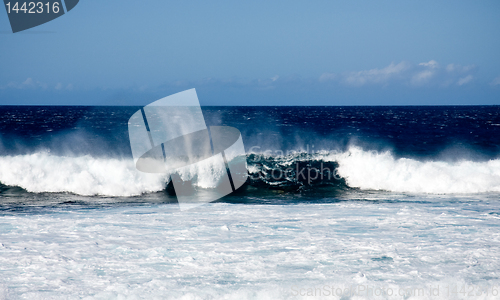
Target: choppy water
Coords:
[[342, 202]]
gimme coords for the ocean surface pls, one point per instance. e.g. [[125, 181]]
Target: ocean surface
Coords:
[[341, 203]]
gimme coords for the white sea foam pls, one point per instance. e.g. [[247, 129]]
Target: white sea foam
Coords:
[[227, 251], [83, 175], [382, 171]]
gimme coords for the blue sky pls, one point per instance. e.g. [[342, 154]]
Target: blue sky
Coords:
[[257, 53]]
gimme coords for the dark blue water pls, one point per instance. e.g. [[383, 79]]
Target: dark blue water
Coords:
[[408, 131]]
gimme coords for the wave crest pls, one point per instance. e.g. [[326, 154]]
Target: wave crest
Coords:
[[382, 171], [83, 175], [355, 168]]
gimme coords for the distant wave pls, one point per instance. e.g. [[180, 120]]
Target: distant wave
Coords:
[[43, 172]]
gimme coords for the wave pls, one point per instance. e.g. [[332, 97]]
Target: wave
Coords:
[[382, 171], [43, 172], [83, 175], [372, 170]]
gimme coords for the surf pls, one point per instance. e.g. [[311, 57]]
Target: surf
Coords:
[[354, 168]]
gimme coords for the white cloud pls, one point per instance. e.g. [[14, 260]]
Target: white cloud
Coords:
[[431, 64], [422, 77], [465, 80], [496, 81], [375, 75], [429, 73], [29, 83]]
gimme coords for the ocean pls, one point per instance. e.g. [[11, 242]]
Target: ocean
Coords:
[[340, 203]]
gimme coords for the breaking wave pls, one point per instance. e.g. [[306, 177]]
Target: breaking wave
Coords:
[[83, 175], [382, 171], [43, 172]]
